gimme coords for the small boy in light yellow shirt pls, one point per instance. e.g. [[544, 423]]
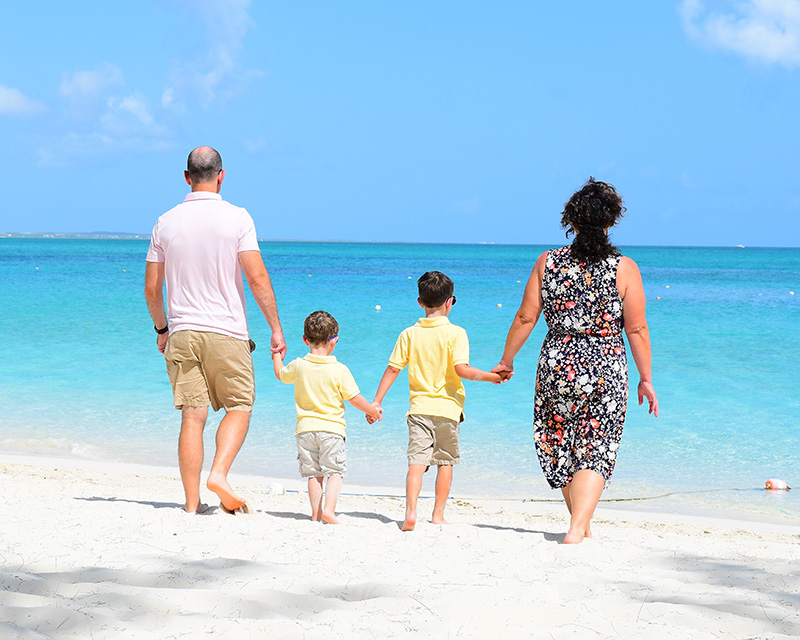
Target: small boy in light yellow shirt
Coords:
[[321, 385], [436, 353]]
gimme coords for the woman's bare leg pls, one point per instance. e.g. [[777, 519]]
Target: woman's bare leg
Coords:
[[582, 496]]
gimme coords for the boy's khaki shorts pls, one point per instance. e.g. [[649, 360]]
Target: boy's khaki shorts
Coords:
[[210, 367], [432, 440], [321, 454]]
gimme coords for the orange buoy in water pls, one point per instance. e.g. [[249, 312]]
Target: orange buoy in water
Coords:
[[775, 484]]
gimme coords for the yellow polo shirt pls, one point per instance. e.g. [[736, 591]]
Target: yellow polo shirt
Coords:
[[321, 385], [431, 349]]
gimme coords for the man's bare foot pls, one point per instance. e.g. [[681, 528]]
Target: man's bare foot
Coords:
[[410, 521], [438, 519], [330, 518], [227, 498], [199, 509]]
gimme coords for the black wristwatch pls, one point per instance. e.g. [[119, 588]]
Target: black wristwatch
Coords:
[[161, 332]]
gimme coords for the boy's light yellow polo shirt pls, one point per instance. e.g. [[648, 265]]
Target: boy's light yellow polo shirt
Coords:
[[321, 385], [431, 349]]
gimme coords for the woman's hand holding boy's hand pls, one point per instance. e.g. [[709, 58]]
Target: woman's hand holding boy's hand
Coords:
[[505, 371]]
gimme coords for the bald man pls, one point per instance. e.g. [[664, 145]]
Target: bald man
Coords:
[[200, 248]]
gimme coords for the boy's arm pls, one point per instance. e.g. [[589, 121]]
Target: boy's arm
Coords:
[[468, 372], [277, 363], [389, 376], [361, 403]]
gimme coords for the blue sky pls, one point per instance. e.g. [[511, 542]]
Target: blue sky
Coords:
[[409, 121]]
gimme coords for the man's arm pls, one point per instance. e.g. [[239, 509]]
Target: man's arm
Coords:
[[261, 286], [154, 294]]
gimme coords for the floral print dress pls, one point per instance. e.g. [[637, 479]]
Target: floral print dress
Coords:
[[582, 375]]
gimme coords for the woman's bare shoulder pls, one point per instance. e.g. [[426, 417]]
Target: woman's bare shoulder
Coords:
[[627, 266]]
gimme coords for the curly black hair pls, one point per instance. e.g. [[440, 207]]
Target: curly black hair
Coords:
[[591, 210]]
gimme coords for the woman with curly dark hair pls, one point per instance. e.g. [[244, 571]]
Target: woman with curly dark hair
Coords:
[[588, 292]]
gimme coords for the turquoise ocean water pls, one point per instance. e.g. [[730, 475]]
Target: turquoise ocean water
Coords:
[[80, 375]]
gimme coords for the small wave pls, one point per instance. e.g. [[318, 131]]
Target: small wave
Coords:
[[50, 447]]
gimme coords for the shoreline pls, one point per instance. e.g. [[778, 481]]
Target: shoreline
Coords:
[[106, 551], [256, 484], [656, 501]]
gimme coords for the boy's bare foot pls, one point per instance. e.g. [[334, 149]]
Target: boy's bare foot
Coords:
[[438, 519], [227, 498], [410, 521], [330, 518]]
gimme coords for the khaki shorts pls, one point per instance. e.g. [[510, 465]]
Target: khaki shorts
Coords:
[[210, 367], [321, 454], [432, 440]]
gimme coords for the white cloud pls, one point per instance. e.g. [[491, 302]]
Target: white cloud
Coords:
[[90, 85], [762, 30], [102, 115], [167, 97], [14, 102], [135, 105], [254, 145], [217, 72], [119, 123]]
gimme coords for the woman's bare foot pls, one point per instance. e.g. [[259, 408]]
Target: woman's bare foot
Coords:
[[410, 521], [574, 537], [438, 519]]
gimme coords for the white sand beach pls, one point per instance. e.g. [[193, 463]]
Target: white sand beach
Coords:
[[105, 551]]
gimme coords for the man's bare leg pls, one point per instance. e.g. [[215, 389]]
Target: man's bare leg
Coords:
[[315, 497], [444, 480], [332, 488], [413, 487], [190, 454], [230, 436], [584, 494]]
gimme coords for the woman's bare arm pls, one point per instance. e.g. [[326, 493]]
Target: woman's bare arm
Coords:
[[631, 290], [527, 316]]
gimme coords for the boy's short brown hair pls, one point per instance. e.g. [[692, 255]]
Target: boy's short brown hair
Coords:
[[320, 327], [434, 289]]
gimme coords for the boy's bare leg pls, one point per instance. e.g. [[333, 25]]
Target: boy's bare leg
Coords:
[[444, 480], [315, 497], [413, 487], [230, 436], [584, 494], [190, 455], [332, 488]]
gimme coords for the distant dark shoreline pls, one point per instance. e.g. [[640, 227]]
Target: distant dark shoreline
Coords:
[[95, 235], [108, 235]]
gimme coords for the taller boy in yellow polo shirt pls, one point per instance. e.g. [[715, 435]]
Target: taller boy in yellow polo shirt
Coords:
[[321, 385], [436, 353]]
